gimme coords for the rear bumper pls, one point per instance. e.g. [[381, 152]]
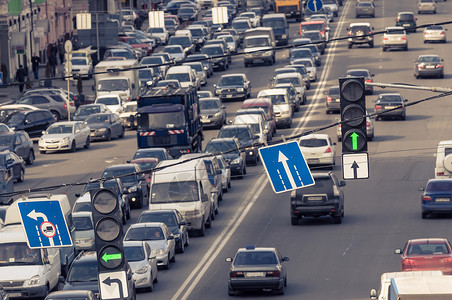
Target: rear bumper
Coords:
[[250, 284]]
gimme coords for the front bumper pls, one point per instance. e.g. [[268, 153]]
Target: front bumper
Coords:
[[142, 280], [98, 135], [321, 161], [284, 121], [194, 222], [211, 122], [232, 95], [54, 146], [25, 292]]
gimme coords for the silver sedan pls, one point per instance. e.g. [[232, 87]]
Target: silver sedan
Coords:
[[65, 136], [435, 33]]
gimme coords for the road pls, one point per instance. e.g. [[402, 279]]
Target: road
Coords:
[[327, 261]]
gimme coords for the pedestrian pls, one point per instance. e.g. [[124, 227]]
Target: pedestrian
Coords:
[[53, 63], [35, 61], [137, 23], [61, 52], [20, 76]]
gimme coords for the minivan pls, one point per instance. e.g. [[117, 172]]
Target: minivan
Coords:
[[281, 105], [280, 27], [267, 106], [185, 74]]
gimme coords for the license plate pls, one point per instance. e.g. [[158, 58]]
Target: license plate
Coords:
[[314, 198], [14, 295], [205, 120], [406, 25], [229, 96], [312, 160], [254, 274], [389, 107], [442, 199], [429, 67]]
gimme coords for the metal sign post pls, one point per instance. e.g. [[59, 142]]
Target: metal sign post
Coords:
[[68, 67]]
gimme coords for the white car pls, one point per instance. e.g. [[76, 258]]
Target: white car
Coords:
[[257, 123], [332, 5], [159, 32], [394, 37], [435, 33], [253, 17], [175, 51], [128, 115], [232, 45], [443, 167], [310, 67], [318, 150], [81, 66], [225, 173], [143, 264], [69, 135], [113, 102], [158, 237], [84, 230]]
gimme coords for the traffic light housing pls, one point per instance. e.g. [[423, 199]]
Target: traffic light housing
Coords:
[[353, 114], [108, 230]]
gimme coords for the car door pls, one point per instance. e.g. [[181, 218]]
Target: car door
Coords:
[[31, 125], [11, 163], [19, 146], [117, 124], [143, 185], [78, 136], [171, 242]]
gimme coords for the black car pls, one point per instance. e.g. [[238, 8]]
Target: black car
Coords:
[[14, 164], [159, 153], [217, 56], [72, 295], [34, 122], [173, 220], [20, 143], [324, 198], [83, 275], [233, 86], [187, 14], [406, 20], [229, 148], [389, 101], [135, 183], [105, 126], [213, 112], [204, 59], [245, 135]]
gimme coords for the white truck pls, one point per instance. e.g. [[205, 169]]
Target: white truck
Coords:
[[185, 187], [258, 44], [119, 77]]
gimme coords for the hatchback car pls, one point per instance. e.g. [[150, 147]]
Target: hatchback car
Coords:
[[20, 143], [406, 20], [225, 173], [318, 149], [324, 198], [368, 78], [430, 254], [175, 51], [370, 129], [158, 237], [428, 66], [365, 9], [105, 126], [65, 136], [394, 37], [143, 264], [53, 102], [393, 102], [213, 112], [233, 86], [333, 100], [173, 220], [256, 269], [309, 64], [435, 33], [426, 6], [437, 197]]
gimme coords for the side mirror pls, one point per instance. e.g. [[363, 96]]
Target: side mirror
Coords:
[[171, 237], [342, 183], [230, 121], [406, 100], [215, 86], [285, 258], [398, 251], [93, 88], [334, 144], [183, 223], [223, 107], [373, 294], [228, 259], [43, 132], [60, 279], [77, 195], [421, 189], [152, 256]]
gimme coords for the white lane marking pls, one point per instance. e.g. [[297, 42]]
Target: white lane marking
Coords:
[[38, 231], [256, 190], [220, 241]]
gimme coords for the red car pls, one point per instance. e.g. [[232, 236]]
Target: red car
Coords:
[[136, 43], [432, 254], [146, 163]]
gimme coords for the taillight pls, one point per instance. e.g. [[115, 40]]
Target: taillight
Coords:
[[385, 38], [328, 150], [377, 106], [65, 105], [349, 33], [408, 261], [439, 66], [328, 99], [440, 174], [398, 20], [443, 33], [404, 38], [426, 198], [71, 103], [273, 274], [235, 274], [447, 260], [421, 66], [368, 80], [367, 123]]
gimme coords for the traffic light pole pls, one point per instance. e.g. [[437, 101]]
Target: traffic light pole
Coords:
[[410, 87]]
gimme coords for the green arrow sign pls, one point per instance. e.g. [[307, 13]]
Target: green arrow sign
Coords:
[[354, 137], [106, 257]]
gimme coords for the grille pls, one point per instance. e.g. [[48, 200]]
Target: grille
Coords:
[[288, 8], [8, 284]]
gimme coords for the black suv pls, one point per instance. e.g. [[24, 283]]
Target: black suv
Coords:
[[245, 134], [34, 122], [324, 198], [360, 33], [20, 143], [217, 54], [229, 148], [233, 86]]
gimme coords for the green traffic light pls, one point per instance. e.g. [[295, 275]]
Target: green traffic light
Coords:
[[106, 257], [354, 137]]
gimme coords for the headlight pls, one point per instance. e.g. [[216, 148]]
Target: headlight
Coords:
[[34, 280], [285, 113], [142, 270], [65, 140], [284, 36], [217, 91], [249, 148], [217, 114], [87, 241], [192, 213], [133, 189], [102, 129], [240, 90], [236, 160], [159, 251], [176, 236]]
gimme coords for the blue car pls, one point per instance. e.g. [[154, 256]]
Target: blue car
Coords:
[[437, 197]]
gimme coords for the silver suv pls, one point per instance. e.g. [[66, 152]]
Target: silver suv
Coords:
[[360, 33], [395, 37]]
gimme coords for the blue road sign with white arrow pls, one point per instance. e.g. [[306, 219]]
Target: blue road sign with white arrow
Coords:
[[44, 224], [286, 167], [315, 5]]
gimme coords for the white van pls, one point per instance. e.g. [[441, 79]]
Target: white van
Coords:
[[67, 254], [185, 74], [185, 187], [256, 122], [443, 167], [25, 272], [281, 105]]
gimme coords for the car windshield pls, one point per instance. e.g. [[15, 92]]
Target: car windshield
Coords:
[[144, 234], [406, 17], [306, 63], [186, 10], [390, 98], [277, 99], [13, 254], [182, 77], [165, 83], [313, 143], [221, 147], [145, 74], [435, 27], [134, 253], [108, 101], [83, 111], [168, 218], [212, 51], [6, 140], [292, 80], [395, 31], [59, 129], [151, 60], [255, 258], [173, 50], [14, 118], [439, 186], [82, 206], [79, 62], [309, 27], [274, 23], [363, 29], [159, 154], [115, 172], [230, 80], [427, 249], [113, 85], [82, 223], [197, 67], [155, 30], [257, 42], [98, 119], [83, 272], [148, 165], [241, 133], [429, 59], [364, 4], [209, 104], [314, 36], [130, 108], [179, 40], [240, 25], [177, 191]]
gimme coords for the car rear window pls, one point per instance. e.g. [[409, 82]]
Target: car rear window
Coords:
[[406, 17], [394, 98], [311, 143], [438, 186], [428, 248], [255, 258], [334, 91], [364, 29], [358, 73]]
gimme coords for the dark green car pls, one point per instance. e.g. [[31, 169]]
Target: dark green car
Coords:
[[406, 20]]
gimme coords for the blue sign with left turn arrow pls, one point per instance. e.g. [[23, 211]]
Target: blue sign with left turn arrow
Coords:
[[286, 167], [44, 224]]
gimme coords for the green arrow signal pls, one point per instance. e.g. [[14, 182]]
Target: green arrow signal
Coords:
[[354, 137], [106, 257]]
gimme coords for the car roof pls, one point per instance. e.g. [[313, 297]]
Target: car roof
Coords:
[[261, 100], [147, 224], [69, 293], [315, 136], [273, 92], [288, 75], [234, 75], [85, 256], [256, 249], [359, 24], [312, 22], [428, 240], [389, 94], [82, 214]]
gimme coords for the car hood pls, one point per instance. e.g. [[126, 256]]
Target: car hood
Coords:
[[158, 244], [84, 234], [209, 111], [19, 272], [3, 148], [86, 285], [230, 156], [55, 136], [136, 265], [230, 86], [96, 125]]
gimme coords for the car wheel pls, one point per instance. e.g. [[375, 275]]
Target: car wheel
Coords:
[[441, 75], [229, 184], [108, 135], [88, 143], [208, 224], [121, 135], [173, 259], [73, 147], [294, 221], [201, 231], [42, 151], [424, 215], [403, 117], [246, 65], [337, 219], [350, 46], [417, 76], [166, 267], [124, 217], [384, 49], [150, 288], [55, 115], [371, 45], [406, 48], [187, 241], [21, 176], [231, 292], [30, 158], [280, 291]]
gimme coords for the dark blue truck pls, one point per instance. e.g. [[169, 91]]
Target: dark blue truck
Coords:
[[170, 118]]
